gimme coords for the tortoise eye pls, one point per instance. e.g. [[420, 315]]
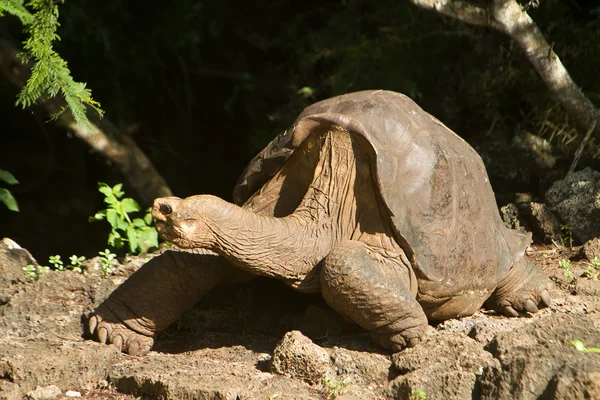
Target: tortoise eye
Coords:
[[165, 209]]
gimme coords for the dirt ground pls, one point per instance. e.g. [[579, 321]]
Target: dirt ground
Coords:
[[240, 343]]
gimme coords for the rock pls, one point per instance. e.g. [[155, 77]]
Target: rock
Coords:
[[511, 215], [361, 367], [296, 356], [538, 362], [576, 199], [227, 373], [13, 258], [590, 287], [442, 366], [533, 217], [591, 249], [485, 331], [72, 393], [37, 363], [44, 393]]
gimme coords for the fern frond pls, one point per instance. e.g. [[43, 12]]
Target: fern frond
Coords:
[[50, 74], [16, 8]]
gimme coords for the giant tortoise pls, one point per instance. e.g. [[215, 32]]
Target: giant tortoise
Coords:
[[367, 199]]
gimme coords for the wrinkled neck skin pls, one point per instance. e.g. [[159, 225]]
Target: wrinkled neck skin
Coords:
[[287, 248]]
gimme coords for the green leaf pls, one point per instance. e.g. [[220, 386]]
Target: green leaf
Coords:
[[117, 190], [148, 217], [578, 344], [132, 238], [9, 201], [8, 177], [99, 216], [593, 350], [148, 238], [130, 205], [113, 218], [111, 200], [138, 222], [104, 189], [115, 239]]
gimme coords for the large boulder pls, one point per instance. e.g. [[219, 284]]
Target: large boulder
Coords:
[[576, 199]]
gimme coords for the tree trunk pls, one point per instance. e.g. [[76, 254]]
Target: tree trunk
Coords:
[[121, 151], [509, 17]]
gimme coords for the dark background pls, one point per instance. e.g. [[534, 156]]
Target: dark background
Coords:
[[202, 86]]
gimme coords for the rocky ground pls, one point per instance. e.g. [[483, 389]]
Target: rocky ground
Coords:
[[264, 341]]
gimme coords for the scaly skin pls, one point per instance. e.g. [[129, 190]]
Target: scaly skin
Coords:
[[155, 296], [524, 289]]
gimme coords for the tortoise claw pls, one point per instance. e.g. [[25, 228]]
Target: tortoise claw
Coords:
[[530, 306], [509, 311], [546, 300], [102, 335]]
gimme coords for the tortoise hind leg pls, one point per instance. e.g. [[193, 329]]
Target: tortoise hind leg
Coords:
[[523, 289], [374, 292]]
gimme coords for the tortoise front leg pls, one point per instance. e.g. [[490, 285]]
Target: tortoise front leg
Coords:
[[374, 292], [156, 295]]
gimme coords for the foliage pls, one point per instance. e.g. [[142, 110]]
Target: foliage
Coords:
[[138, 233], [334, 388], [32, 272], [417, 394], [565, 265], [50, 74], [107, 260], [5, 196], [581, 347], [566, 235], [590, 272]]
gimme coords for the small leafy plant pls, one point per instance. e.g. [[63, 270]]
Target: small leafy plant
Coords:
[[5, 196], [107, 260], [565, 265], [581, 347], [334, 388], [417, 394], [138, 233], [75, 263], [566, 235], [32, 273], [591, 272]]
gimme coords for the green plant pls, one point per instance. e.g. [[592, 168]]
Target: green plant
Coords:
[[581, 347], [74, 266], [107, 260], [566, 235], [50, 74], [76, 263], [565, 265], [591, 272], [417, 394], [5, 196], [334, 388], [596, 262], [138, 232], [56, 263], [32, 272]]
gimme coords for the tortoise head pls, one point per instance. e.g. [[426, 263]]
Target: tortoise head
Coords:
[[183, 222]]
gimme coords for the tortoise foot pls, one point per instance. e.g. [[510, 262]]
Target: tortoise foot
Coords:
[[523, 290], [105, 327]]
